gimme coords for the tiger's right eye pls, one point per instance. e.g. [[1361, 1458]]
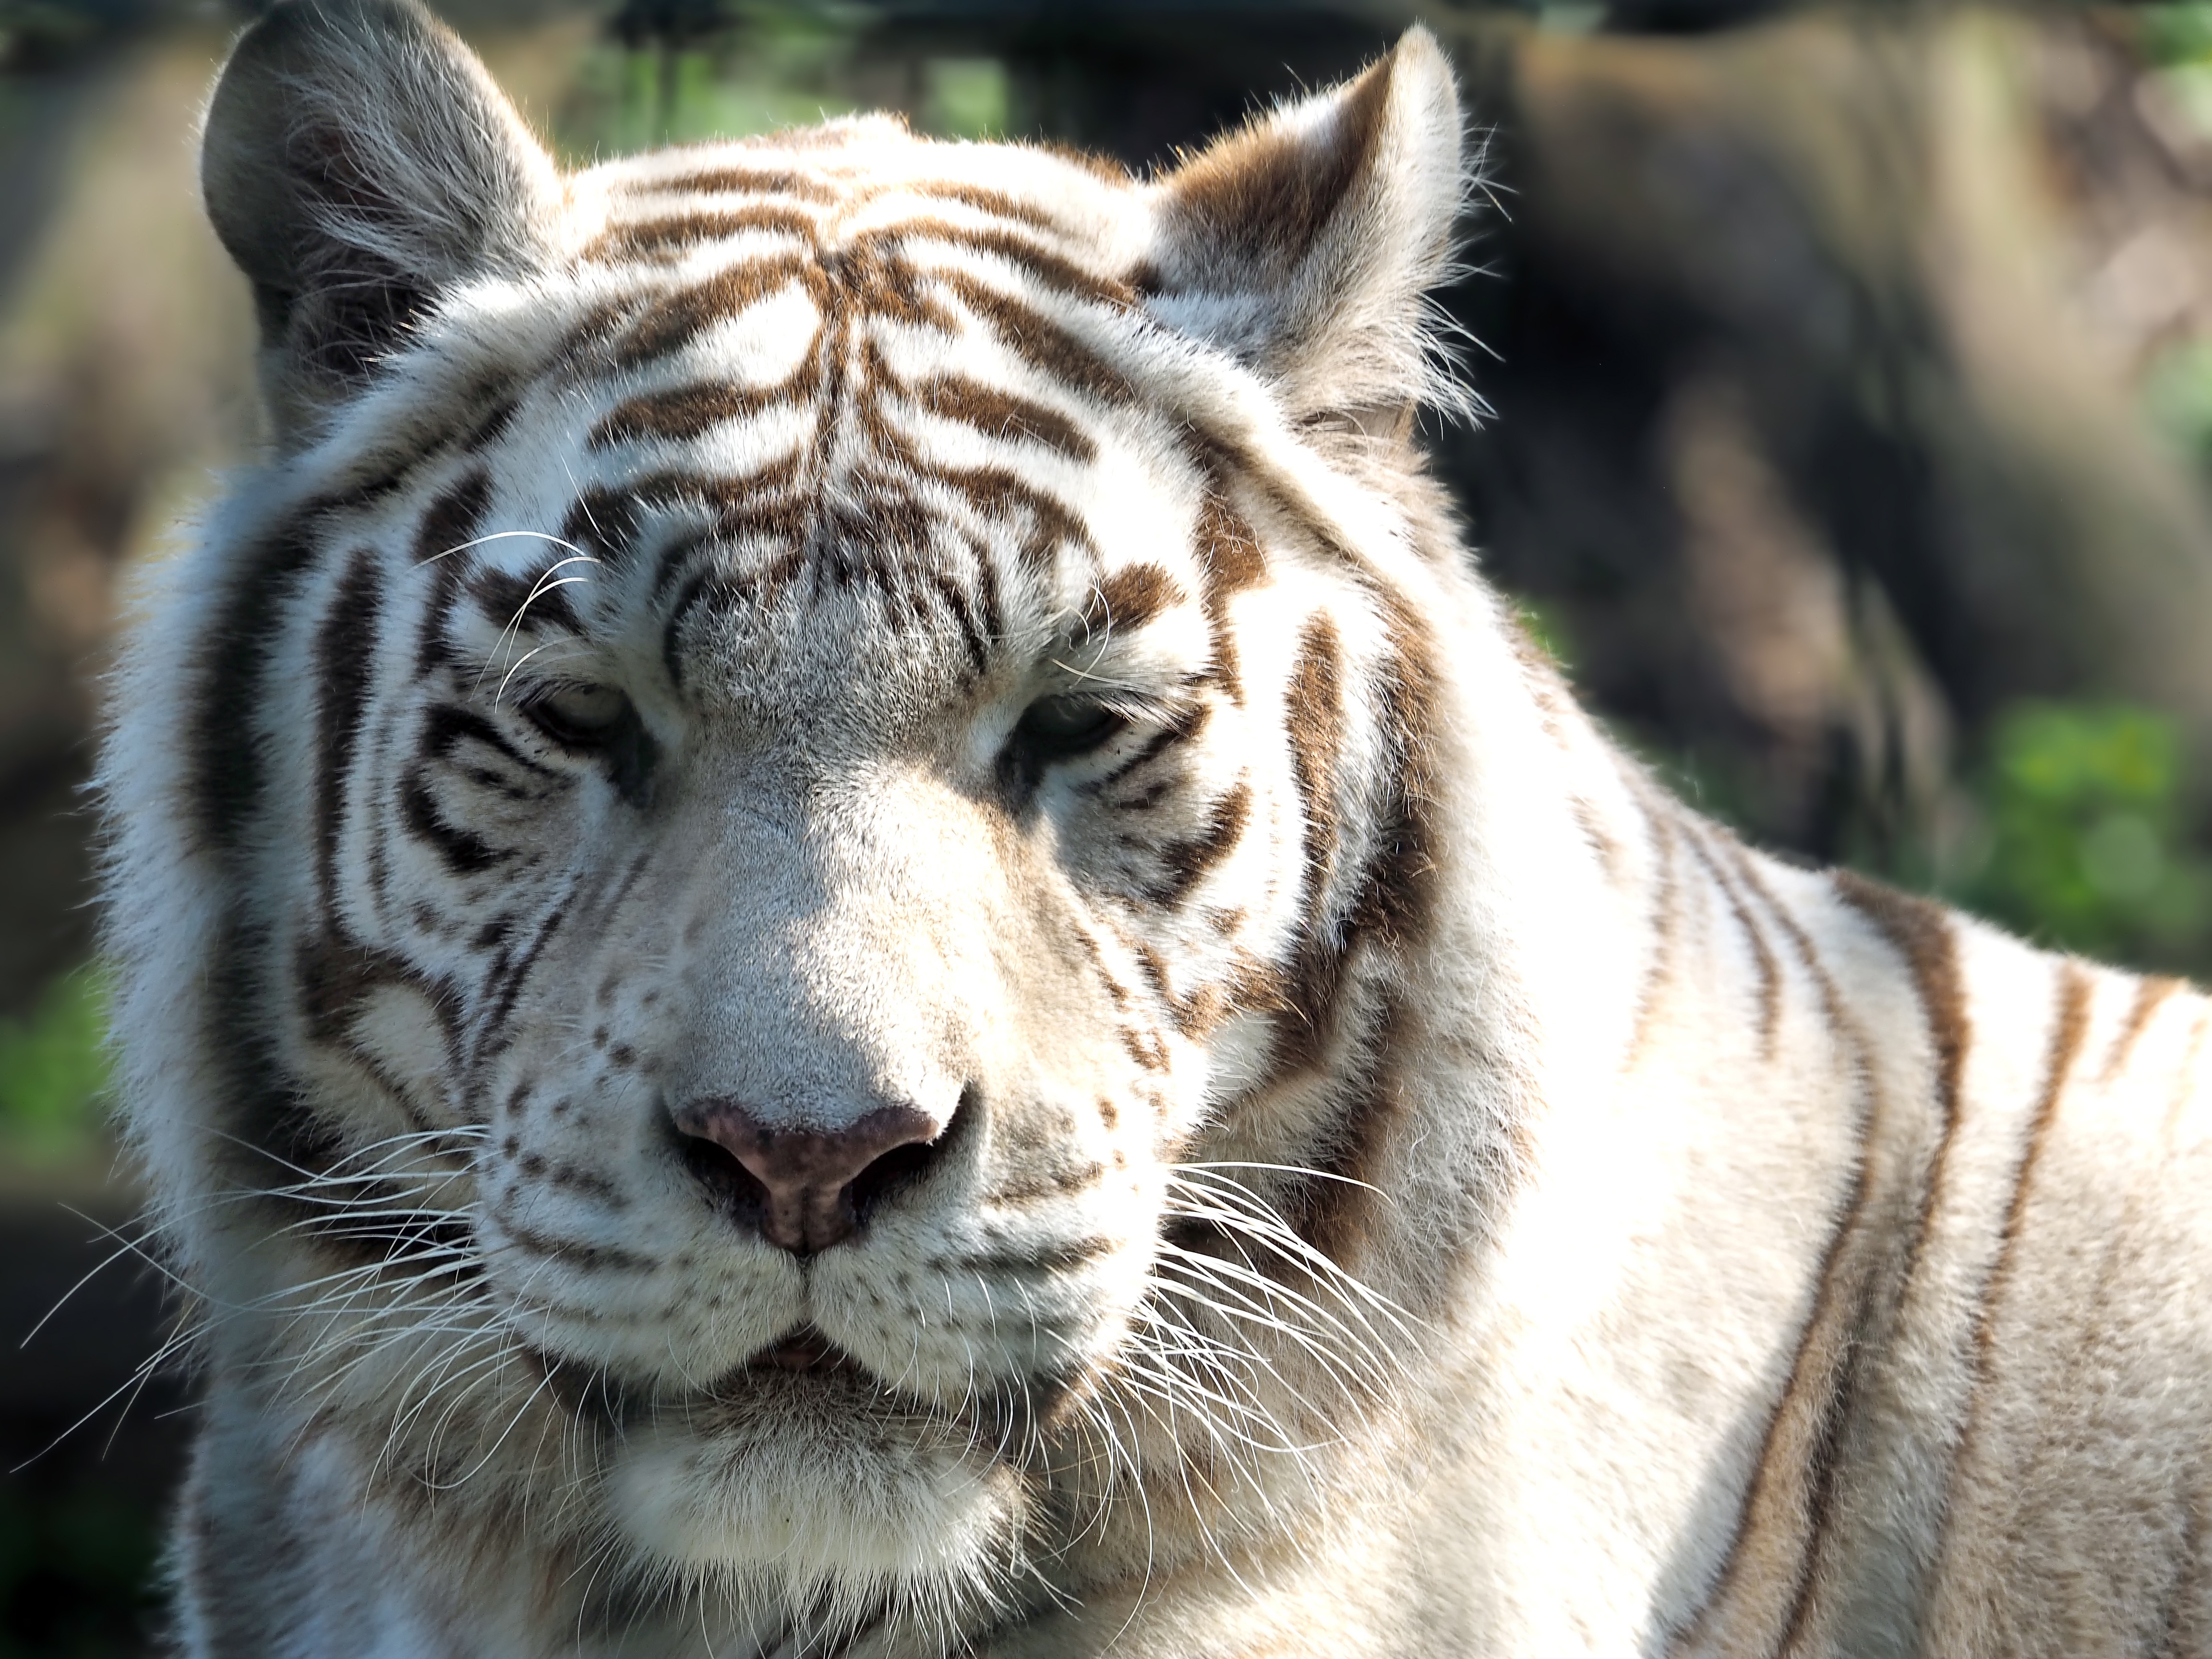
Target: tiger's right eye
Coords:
[[582, 716]]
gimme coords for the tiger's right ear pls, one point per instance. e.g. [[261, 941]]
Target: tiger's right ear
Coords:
[[357, 161]]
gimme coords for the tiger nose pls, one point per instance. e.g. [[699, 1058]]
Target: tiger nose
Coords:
[[804, 1181]]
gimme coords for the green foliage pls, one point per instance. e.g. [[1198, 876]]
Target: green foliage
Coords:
[[2081, 840], [2174, 36], [2177, 390], [53, 1071], [734, 70]]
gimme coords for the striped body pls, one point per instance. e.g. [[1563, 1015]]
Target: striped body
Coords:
[[842, 623]]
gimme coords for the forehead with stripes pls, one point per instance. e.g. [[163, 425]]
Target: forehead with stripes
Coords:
[[820, 724], [853, 451]]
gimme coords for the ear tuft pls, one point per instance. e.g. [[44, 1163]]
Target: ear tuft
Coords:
[[1303, 245], [357, 161]]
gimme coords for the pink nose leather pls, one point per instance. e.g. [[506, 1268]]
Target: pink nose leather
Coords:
[[805, 1176]]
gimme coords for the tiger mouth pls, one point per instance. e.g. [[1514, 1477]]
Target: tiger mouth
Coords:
[[807, 1350], [588, 1390]]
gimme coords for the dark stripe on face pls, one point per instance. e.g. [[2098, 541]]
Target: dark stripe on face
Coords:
[[679, 233], [1313, 715], [735, 180], [446, 727], [510, 600], [1390, 911], [683, 413], [1188, 861], [1002, 415], [1053, 269], [986, 200], [1229, 552], [1130, 597], [449, 525], [1185, 726], [586, 1258], [460, 850], [338, 973], [227, 768], [604, 522], [345, 653], [509, 971], [1040, 341], [675, 320]]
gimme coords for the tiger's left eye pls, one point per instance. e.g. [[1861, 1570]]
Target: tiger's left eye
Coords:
[[582, 716]]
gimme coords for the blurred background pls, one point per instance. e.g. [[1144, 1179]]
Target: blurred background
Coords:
[[1850, 442]]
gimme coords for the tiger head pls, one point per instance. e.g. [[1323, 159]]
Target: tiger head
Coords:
[[775, 874]]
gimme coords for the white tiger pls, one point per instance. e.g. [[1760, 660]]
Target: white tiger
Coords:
[[843, 930]]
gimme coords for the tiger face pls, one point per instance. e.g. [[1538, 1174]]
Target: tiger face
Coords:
[[807, 810]]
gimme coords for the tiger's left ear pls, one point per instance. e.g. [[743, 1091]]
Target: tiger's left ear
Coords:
[[1303, 245]]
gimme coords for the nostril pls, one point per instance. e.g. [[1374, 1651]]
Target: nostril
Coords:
[[805, 1188], [893, 1172], [736, 1191]]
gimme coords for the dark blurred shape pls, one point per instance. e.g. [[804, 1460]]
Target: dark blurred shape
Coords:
[[82, 1489]]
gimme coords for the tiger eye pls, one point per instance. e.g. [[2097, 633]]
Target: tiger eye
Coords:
[[582, 716], [1063, 726]]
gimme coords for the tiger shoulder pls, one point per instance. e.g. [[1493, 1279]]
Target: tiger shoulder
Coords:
[[843, 928]]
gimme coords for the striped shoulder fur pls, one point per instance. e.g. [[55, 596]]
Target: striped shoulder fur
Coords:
[[842, 929]]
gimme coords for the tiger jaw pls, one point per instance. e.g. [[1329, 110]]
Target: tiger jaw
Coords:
[[819, 1491]]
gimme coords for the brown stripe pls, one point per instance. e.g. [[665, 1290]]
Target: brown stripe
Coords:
[[1788, 1503], [2150, 995], [2187, 1082], [674, 319], [681, 414], [1128, 599], [1313, 719], [1003, 498], [1923, 934], [1228, 553], [1390, 911], [986, 200], [1039, 341], [1792, 1498], [2068, 1031], [652, 237], [2069, 1026], [1002, 415], [1665, 920], [1188, 861], [1770, 970], [1049, 266], [735, 180]]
